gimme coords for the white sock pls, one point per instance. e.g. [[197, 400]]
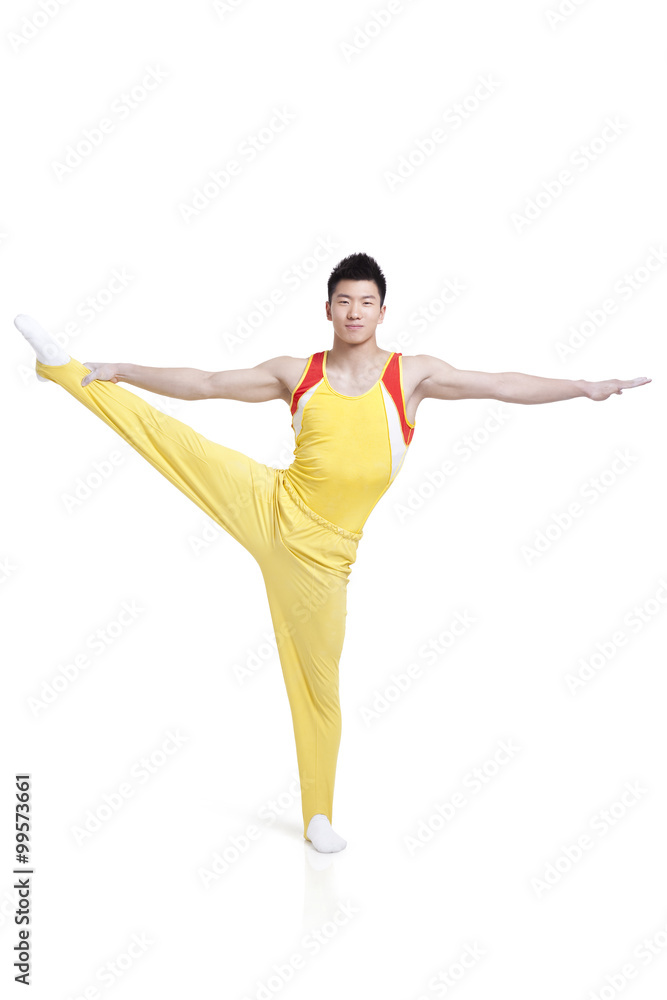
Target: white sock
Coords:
[[48, 351], [322, 836]]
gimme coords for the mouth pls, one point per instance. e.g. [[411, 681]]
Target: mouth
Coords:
[[354, 326]]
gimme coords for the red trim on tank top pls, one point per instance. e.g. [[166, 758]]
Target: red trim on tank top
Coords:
[[311, 376], [394, 386]]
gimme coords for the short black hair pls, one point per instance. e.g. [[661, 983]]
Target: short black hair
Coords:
[[357, 267]]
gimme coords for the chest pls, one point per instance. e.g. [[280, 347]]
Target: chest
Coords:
[[356, 425]]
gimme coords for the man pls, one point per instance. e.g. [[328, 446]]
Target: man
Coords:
[[353, 413]]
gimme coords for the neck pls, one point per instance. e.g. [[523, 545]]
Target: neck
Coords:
[[356, 358]]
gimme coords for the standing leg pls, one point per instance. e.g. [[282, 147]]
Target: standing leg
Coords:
[[306, 576]]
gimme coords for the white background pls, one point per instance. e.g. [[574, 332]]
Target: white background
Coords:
[[361, 98]]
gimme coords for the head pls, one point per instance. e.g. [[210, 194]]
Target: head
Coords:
[[355, 306]]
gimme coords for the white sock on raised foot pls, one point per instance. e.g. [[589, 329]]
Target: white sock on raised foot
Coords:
[[48, 351], [322, 836]]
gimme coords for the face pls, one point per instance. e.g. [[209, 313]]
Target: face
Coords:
[[355, 310]]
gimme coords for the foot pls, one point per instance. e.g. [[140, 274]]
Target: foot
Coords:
[[48, 351], [321, 835]]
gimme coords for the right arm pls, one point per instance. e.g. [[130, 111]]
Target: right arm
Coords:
[[269, 380]]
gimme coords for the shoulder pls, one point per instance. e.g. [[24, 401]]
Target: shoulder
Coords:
[[421, 372], [287, 370], [417, 367], [285, 367]]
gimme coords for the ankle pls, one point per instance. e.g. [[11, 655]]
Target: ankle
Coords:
[[322, 836]]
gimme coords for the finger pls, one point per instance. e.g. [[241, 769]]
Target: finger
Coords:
[[635, 381]]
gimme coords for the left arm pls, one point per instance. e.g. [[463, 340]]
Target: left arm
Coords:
[[440, 380]]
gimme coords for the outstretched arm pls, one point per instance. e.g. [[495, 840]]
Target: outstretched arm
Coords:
[[251, 385], [442, 381]]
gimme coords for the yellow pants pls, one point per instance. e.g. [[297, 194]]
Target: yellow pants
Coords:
[[305, 560]]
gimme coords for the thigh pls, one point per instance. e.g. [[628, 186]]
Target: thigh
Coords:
[[308, 608], [232, 488], [306, 569]]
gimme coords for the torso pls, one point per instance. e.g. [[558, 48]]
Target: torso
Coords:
[[351, 438]]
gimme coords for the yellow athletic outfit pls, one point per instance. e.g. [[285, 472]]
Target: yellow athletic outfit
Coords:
[[301, 524]]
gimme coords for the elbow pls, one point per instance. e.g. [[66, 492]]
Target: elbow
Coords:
[[201, 387], [510, 388], [500, 390]]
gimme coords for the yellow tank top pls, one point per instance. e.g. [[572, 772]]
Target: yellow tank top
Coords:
[[349, 449]]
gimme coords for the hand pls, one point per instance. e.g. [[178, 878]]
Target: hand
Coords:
[[602, 390], [100, 372]]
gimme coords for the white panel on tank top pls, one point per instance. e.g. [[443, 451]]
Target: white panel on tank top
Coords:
[[298, 413], [398, 446]]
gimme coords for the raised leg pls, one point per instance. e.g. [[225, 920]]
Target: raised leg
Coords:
[[230, 487]]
